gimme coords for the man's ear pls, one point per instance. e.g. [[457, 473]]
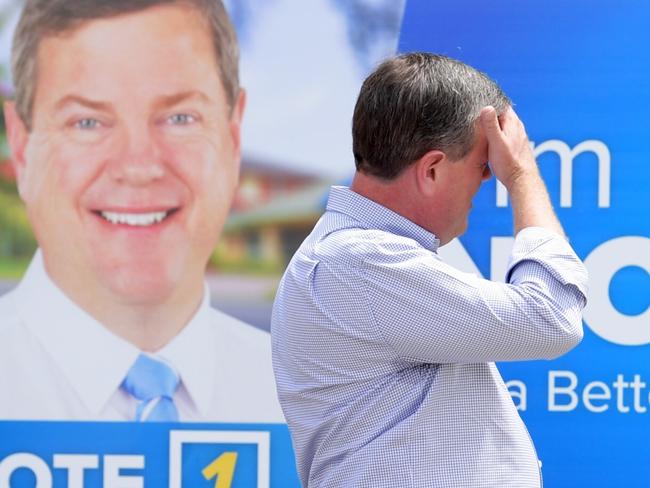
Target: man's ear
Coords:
[[236, 119], [17, 137], [427, 170]]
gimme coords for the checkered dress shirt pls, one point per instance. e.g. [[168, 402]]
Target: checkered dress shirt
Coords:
[[383, 354]]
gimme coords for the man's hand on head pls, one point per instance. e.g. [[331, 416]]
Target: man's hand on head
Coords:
[[513, 164], [509, 152]]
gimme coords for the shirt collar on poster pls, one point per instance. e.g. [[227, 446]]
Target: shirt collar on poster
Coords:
[[371, 214], [94, 360]]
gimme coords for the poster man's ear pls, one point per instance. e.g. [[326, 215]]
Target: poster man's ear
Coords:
[[17, 136]]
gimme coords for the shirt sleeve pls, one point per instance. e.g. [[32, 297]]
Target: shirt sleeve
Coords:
[[428, 311]]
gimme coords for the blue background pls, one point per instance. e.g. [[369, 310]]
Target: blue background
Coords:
[[44, 439], [575, 71]]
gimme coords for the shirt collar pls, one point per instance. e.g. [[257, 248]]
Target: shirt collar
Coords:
[[93, 359], [375, 216], [193, 356]]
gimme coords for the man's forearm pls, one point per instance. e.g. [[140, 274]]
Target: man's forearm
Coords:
[[531, 205]]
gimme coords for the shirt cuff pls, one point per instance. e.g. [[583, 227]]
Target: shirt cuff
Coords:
[[551, 251]]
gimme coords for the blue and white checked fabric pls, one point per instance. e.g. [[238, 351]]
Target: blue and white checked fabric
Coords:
[[383, 354], [153, 383]]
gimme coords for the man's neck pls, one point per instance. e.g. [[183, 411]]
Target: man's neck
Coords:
[[148, 327], [147, 323], [397, 195]]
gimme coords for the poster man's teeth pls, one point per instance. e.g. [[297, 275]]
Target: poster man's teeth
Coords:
[[136, 220]]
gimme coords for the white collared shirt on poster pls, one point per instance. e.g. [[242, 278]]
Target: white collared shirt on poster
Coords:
[[58, 363]]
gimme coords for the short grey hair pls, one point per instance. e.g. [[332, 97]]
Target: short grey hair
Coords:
[[417, 102], [45, 18]]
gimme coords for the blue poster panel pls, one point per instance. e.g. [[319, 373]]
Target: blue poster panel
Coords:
[[145, 455], [579, 77]]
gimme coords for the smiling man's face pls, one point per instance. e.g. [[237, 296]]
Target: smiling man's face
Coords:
[[132, 161]]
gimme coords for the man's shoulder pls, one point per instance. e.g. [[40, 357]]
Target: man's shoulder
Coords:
[[15, 336], [8, 311], [238, 332], [245, 359], [355, 245]]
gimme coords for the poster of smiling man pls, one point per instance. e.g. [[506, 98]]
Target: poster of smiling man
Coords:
[[161, 160]]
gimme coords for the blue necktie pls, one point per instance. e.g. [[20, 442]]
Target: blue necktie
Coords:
[[153, 383]]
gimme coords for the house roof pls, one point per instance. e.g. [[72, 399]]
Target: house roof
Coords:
[[302, 206]]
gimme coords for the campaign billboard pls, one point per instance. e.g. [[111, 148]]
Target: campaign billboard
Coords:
[[301, 64], [121, 454], [578, 77]]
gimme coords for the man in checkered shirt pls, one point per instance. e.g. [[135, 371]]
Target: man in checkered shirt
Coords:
[[384, 354]]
